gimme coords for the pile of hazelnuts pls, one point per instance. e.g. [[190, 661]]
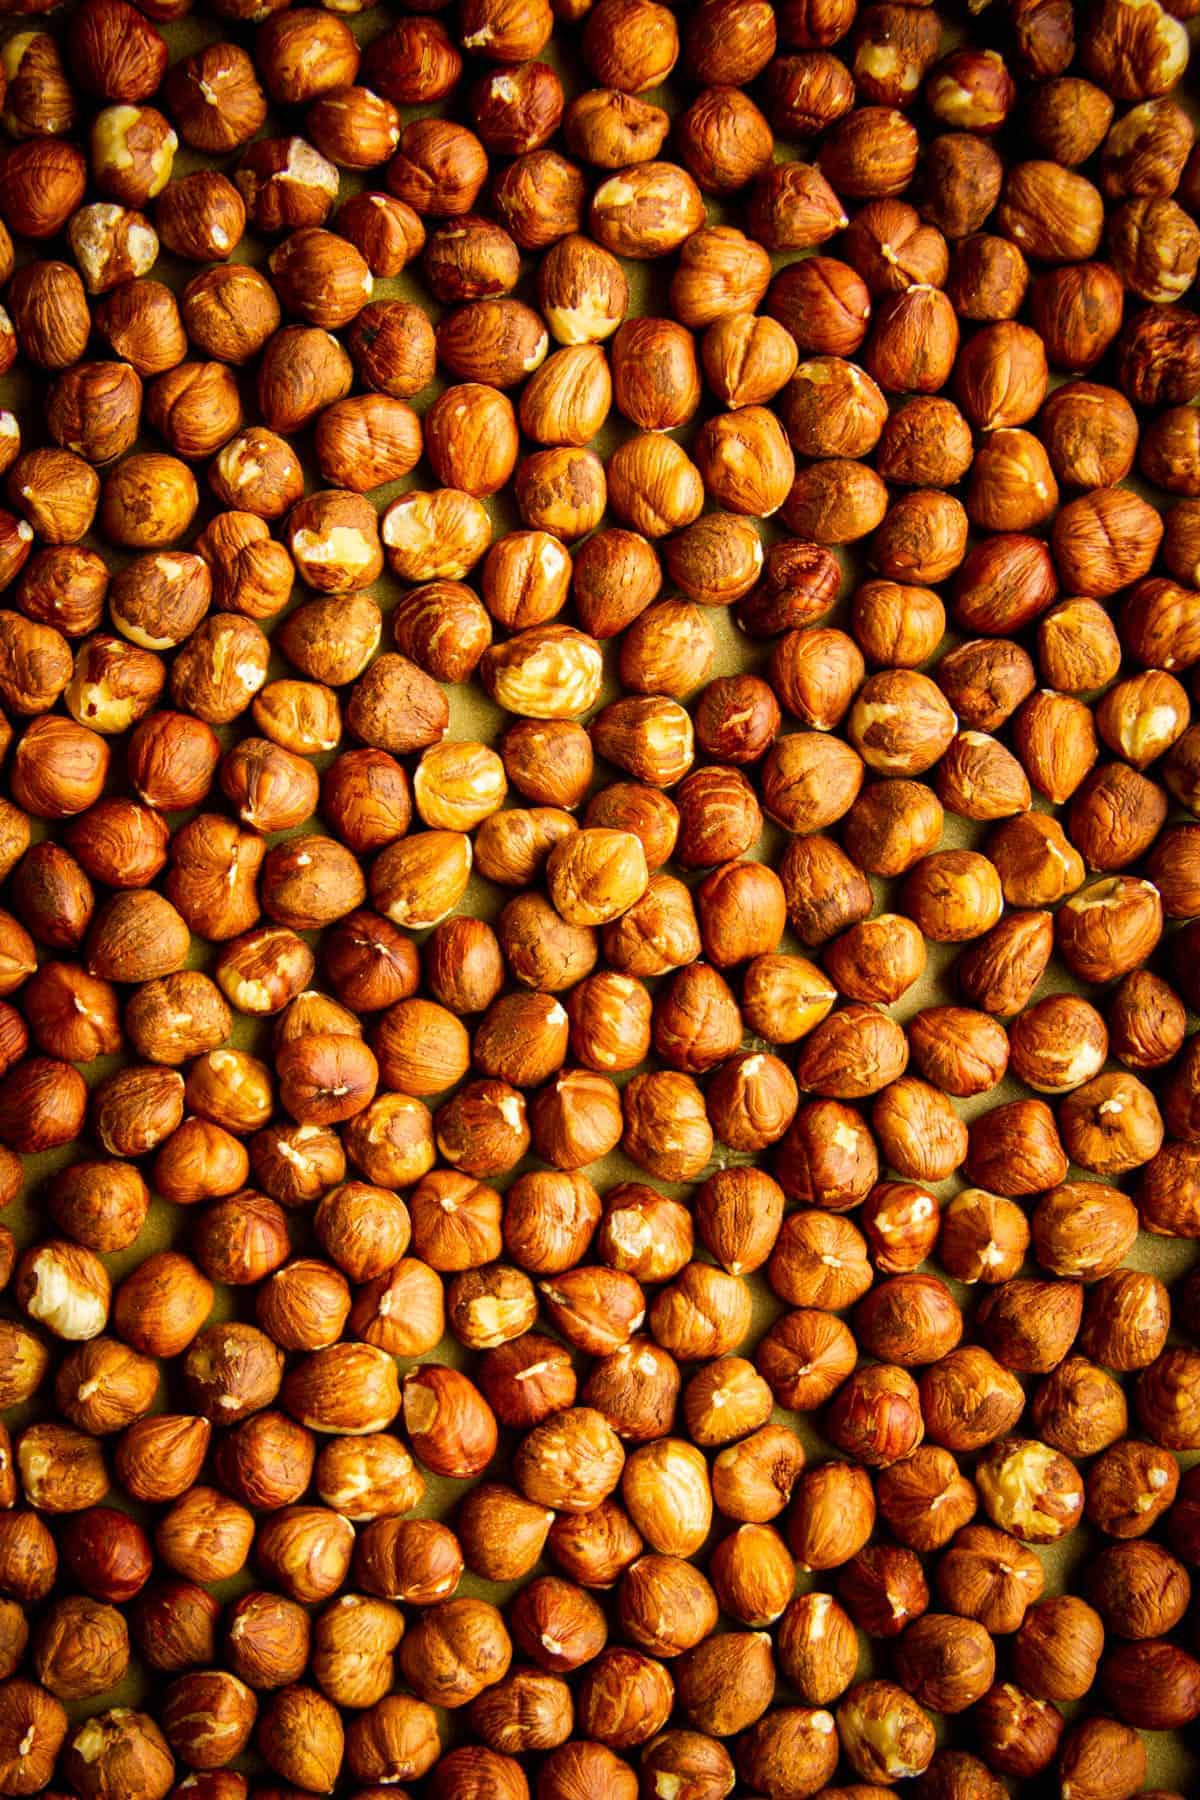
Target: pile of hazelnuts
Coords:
[[600, 910]]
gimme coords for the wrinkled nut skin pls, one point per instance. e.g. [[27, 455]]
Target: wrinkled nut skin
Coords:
[[949, 335]]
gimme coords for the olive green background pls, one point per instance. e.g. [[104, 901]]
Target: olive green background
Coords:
[[472, 715]]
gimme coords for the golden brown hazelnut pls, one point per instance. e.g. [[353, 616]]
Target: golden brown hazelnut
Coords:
[[884, 1732], [1146, 151], [526, 1379], [1111, 1124], [987, 1575], [486, 1307], [1068, 119], [1031, 1489], [665, 1605], [267, 1640], [455, 1650], [1017, 1733], [587, 1763], [230, 312], [417, 1560], [1110, 927], [119, 1748], [625, 1698], [1029, 1325], [725, 446], [644, 1233], [44, 183], [805, 1357], [724, 140], [724, 1400], [876, 1415], [1126, 1320], [39, 98], [817, 1648], [959, 182], [81, 1648], [869, 153], [807, 92], [945, 1662], [752, 1480], [1166, 1705], [549, 1219], [303, 369], [208, 1716], [787, 1741], [1098, 1754], [471, 440], [725, 1684], [988, 278], [969, 1399], [925, 1499], [1139, 1589], [305, 1550], [107, 1553], [913, 341], [891, 56], [215, 99], [747, 359], [1080, 1408], [386, 232], [300, 1736], [829, 1159], [1146, 1021], [303, 1305], [832, 1515], [911, 1319]]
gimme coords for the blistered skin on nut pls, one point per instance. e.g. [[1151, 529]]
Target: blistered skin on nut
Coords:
[[613, 1008]]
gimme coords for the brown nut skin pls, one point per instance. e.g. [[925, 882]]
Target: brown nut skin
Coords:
[[1029, 1325], [1057, 1647], [883, 1587], [968, 1399], [819, 1260], [1100, 1756], [1174, 1697], [81, 1648], [925, 1499], [946, 1663], [1017, 1734], [876, 1415], [1015, 1149], [900, 1222], [987, 1575]]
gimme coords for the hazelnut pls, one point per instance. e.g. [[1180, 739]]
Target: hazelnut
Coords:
[[1017, 1733], [883, 1731]]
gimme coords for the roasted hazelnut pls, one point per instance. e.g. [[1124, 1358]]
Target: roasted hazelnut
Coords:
[[725, 1683], [644, 1233], [828, 1158], [945, 1662], [1068, 119], [230, 312], [883, 1731], [81, 1648], [988, 278], [870, 152], [1162, 1696], [301, 1738], [1017, 1733], [805, 1357], [44, 183]]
